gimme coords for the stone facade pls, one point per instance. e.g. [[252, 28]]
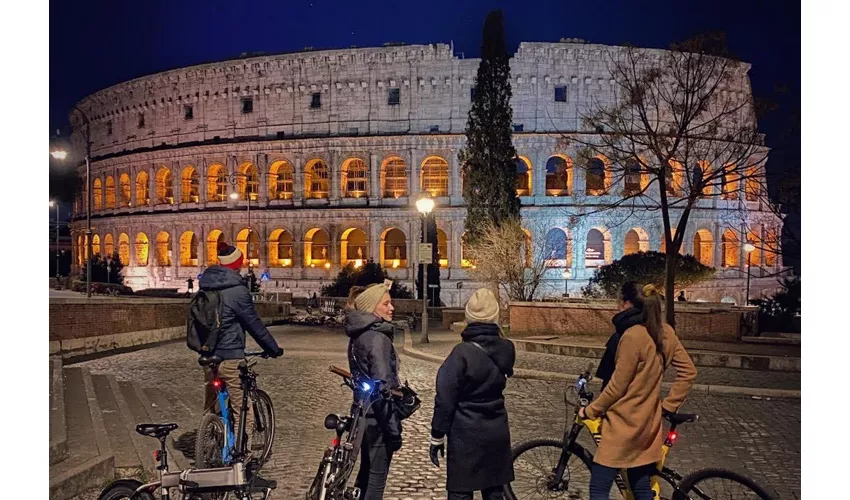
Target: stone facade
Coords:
[[312, 159]]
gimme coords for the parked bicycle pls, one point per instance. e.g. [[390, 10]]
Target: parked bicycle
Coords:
[[551, 468]]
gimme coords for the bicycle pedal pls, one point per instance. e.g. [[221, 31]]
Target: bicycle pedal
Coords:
[[352, 493]]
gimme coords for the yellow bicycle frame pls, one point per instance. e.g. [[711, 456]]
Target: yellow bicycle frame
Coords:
[[594, 426]]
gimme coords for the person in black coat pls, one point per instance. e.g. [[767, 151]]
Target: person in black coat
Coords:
[[469, 407], [631, 314], [371, 354]]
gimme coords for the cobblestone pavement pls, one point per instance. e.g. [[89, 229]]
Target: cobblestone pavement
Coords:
[[760, 438]]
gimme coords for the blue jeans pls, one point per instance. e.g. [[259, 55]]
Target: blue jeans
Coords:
[[601, 479]]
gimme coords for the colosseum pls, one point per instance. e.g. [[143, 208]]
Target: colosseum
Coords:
[[312, 160]]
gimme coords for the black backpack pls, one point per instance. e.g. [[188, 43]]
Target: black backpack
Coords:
[[204, 322]]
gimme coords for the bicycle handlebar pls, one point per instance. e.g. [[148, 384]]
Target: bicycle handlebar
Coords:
[[261, 354], [345, 374]]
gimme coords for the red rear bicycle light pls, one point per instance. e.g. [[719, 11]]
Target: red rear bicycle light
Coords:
[[672, 436], [217, 383], [156, 455], [335, 442]]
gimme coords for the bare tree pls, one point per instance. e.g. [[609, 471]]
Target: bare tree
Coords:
[[680, 129], [511, 258]]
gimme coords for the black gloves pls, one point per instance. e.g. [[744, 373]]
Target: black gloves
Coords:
[[393, 443], [437, 446]]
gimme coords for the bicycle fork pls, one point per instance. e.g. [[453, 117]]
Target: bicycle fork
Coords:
[[229, 438], [557, 482]]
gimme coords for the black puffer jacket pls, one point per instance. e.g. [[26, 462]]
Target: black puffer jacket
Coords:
[[237, 314], [622, 321], [371, 354], [470, 409]]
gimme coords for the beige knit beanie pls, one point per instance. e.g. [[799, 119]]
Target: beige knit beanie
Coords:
[[368, 300], [482, 307]]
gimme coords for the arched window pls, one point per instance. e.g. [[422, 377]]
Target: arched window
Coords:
[[280, 248], [188, 249], [81, 250], [771, 246], [163, 249], [464, 261], [523, 176], [110, 192], [673, 178], [317, 251], [632, 178], [731, 250], [355, 178], [672, 237], [248, 182], [704, 247], [97, 194], [142, 184], [597, 249], [190, 189], [108, 246], [394, 178], [394, 248], [248, 242], [354, 247], [316, 182], [632, 243], [442, 248], [95, 245], [595, 180], [558, 250], [124, 185], [124, 248], [753, 187], [435, 176], [755, 255], [142, 246], [280, 180], [216, 183], [729, 183], [213, 238], [559, 176], [164, 186]]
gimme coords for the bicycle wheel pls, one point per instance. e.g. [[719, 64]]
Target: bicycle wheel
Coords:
[[720, 484], [264, 425], [120, 490], [534, 466], [209, 442]]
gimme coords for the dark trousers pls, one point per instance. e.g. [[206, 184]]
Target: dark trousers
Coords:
[[601, 479], [375, 461], [495, 493]]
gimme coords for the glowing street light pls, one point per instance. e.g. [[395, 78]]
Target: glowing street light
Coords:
[[748, 247], [59, 154], [425, 206]]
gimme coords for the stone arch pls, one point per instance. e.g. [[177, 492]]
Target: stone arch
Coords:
[[524, 176], [559, 175], [597, 251], [124, 189], [214, 237], [559, 247], [635, 177], [435, 176], [393, 248], [443, 248], [672, 237], [97, 194], [636, 240], [281, 180], [354, 178], [190, 185], [142, 187], [675, 177], [754, 239], [730, 247], [317, 248], [164, 186], [248, 241], [124, 248], [163, 249], [216, 183], [95, 245], [109, 246], [316, 179], [142, 249], [248, 181], [598, 175], [704, 247], [464, 261], [703, 170], [729, 182], [354, 247], [280, 248], [752, 184], [109, 192], [393, 177], [188, 249]]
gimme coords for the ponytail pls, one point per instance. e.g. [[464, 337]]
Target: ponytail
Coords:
[[652, 315]]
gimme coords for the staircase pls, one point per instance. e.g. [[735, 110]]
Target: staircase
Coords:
[[92, 431]]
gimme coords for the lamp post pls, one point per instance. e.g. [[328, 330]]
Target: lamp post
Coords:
[[56, 204], [748, 247], [425, 206], [567, 274], [61, 154]]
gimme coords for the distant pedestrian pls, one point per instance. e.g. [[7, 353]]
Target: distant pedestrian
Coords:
[[314, 300], [190, 285], [681, 297]]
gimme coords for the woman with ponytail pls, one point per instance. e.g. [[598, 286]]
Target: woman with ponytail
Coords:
[[631, 405]]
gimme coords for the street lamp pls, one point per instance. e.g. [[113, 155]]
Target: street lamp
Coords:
[[425, 206], [748, 247], [56, 204], [567, 274]]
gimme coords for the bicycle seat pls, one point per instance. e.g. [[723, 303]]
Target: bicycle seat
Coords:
[[680, 418], [155, 430], [209, 360]]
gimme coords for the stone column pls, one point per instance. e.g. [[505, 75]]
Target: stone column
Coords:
[[717, 234], [579, 177], [152, 194], [202, 182], [178, 183], [374, 177], [261, 230], [413, 178], [202, 247], [133, 198], [335, 172], [263, 171], [298, 181], [454, 176], [232, 167], [334, 253], [175, 252], [375, 241], [618, 243], [580, 245]]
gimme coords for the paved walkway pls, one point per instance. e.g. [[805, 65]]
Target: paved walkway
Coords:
[[760, 438]]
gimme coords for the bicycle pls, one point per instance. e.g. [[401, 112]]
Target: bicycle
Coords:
[[339, 459], [191, 484], [548, 466], [216, 444]]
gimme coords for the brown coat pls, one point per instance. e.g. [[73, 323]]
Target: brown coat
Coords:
[[629, 405]]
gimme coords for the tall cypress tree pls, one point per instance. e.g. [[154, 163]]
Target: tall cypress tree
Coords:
[[489, 186]]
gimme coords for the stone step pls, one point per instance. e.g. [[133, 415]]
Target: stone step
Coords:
[[136, 413], [90, 462], [128, 463], [58, 431], [153, 407]]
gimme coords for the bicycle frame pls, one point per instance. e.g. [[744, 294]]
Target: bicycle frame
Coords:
[[233, 444]]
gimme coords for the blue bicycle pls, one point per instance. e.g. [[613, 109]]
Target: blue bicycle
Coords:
[[217, 440]]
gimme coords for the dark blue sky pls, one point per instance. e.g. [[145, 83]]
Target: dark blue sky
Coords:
[[97, 43]]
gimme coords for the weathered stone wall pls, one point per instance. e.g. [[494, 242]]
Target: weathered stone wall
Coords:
[[717, 322]]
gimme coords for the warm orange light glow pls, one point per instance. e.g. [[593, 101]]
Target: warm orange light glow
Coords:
[[396, 263]]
